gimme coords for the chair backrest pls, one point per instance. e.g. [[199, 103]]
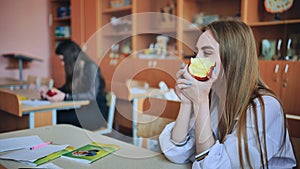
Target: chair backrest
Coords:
[[36, 82], [111, 103], [150, 126], [148, 129], [46, 81], [32, 80], [156, 114]]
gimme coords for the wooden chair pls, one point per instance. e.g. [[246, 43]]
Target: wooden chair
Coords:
[[149, 128], [36, 82], [111, 102], [46, 81], [152, 119], [32, 82]]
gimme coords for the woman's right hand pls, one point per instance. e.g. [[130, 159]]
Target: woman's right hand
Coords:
[[58, 96], [182, 83], [195, 91], [43, 91]]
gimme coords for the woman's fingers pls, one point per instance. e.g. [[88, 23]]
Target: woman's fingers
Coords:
[[183, 74], [179, 73], [182, 80], [187, 75], [52, 99], [183, 83], [183, 86]]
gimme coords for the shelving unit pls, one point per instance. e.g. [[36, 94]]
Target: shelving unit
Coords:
[[274, 23], [64, 20], [265, 27], [280, 75], [56, 21], [143, 31], [282, 78], [187, 9]]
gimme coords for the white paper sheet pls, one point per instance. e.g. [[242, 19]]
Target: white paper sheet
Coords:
[[27, 155], [35, 102], [49, 165], [19, 142]]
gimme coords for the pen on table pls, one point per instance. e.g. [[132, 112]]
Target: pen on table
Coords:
[[40, 145]]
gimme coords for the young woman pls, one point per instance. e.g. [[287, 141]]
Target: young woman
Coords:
[[233, 120], [83, 82]]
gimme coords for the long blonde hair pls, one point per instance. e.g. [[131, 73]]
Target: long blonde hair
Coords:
[[244, 84]]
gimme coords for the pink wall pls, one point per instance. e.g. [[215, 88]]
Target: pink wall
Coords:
[[24, 29]]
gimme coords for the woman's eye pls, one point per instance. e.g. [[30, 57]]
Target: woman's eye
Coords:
[[207, 53]]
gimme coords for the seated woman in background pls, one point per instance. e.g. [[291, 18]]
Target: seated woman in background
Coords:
[[233, 120], [83, 82]]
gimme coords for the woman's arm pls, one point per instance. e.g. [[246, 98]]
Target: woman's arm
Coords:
[[225, 155], [198, 94], [203, 131], [177, 153], [181, 127], [176, 141]]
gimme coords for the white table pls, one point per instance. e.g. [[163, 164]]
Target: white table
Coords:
[[128, 157], [10, 102]]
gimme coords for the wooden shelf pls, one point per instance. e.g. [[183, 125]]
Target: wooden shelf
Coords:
[[158, 31], [61, 38], [164, 30], [68, 18], [60, 1], [270, 23], [119, 9], [116, 34]]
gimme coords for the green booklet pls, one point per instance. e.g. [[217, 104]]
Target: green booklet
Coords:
[[53, 156], [91, 152]]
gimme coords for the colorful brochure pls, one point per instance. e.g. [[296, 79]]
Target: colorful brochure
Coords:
[[91, 152]]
